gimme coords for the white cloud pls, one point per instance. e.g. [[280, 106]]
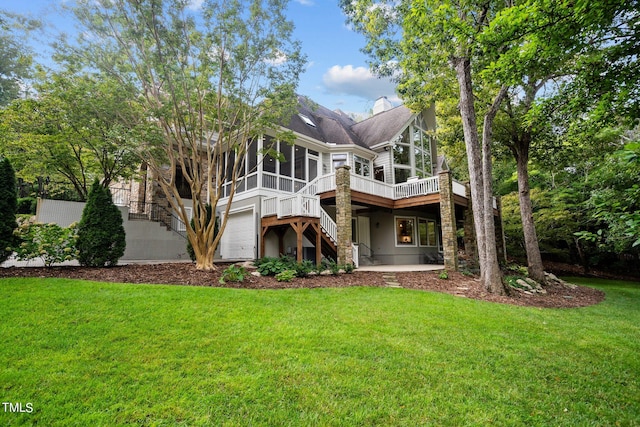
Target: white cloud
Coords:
[[358, 81], [277, 59], [305, 2], [195, 4]]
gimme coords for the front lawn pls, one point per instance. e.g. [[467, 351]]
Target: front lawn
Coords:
[[89, 354]]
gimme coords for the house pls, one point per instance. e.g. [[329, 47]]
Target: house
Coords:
[[365, 192], [374, 191]]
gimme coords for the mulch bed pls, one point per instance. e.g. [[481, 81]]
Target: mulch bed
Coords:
[[186, 274]]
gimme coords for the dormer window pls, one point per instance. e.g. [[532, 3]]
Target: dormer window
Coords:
[[307, 120]]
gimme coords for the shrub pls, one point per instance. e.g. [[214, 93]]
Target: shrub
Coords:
[[329, 264], [286, 275], [49, 242], [27, 205], [8, 209], [270, 266], [303, 268], [444, 275], [101, 237], [233, 273]]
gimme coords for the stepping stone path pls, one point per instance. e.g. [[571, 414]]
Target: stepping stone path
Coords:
[[390, 280]]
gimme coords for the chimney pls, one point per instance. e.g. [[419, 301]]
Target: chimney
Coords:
[[382, 104]]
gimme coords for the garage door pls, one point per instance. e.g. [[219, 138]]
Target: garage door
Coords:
[[239, 238]]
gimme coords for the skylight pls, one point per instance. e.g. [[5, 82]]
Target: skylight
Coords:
[[307, 120]]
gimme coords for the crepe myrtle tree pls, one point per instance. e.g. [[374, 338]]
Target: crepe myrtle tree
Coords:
[[210, 81]]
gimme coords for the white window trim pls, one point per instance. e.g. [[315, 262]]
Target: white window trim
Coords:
[[395, 232]]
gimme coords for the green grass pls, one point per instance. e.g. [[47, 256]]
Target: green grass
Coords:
[[97, 354]]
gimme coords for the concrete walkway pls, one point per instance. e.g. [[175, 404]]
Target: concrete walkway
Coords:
[[397, 268]]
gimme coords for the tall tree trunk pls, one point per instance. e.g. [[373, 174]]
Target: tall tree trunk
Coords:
[[534, 259], [493, 274], [479, 166]]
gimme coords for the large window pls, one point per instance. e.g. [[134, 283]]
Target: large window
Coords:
[[412, 153], [405, 231], [421, 150]]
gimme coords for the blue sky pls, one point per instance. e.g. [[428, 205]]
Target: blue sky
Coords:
[[337, 74]]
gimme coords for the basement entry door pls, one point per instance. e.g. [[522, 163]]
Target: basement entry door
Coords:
[[239, 238]]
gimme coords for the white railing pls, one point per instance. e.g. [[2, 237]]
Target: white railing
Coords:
[[459, 189], [329, 226], [371, 186], [293, 205], [419, 187], [269, 206], [355, 255], [320, 185], [366, 185], [299, 205]]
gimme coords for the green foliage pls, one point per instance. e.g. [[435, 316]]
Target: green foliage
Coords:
[[49, 242], [614, 202], [101, 236], [16, 58], [27, 205], [220, 76], [286, 275], [8, 208], [557, 214], [303, 268], [444, 275], [233, 273], [79, 128], [270, 266], [329, 264]]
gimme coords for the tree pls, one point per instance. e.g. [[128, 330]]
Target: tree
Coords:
[[212, 83], [552, 39], [613, 205], [440, 45], [499, 51], [8, 208], [101, 236], [79, 128], [15, 59]]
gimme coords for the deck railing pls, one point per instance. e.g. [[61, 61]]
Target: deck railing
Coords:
[[418, 187], [329, 226], [293, 205]]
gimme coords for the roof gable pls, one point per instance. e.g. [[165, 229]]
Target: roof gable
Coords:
[[322, 124], [383, 126]]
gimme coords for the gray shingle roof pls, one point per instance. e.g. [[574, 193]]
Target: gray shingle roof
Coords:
[[338, 128], [383, 126]]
